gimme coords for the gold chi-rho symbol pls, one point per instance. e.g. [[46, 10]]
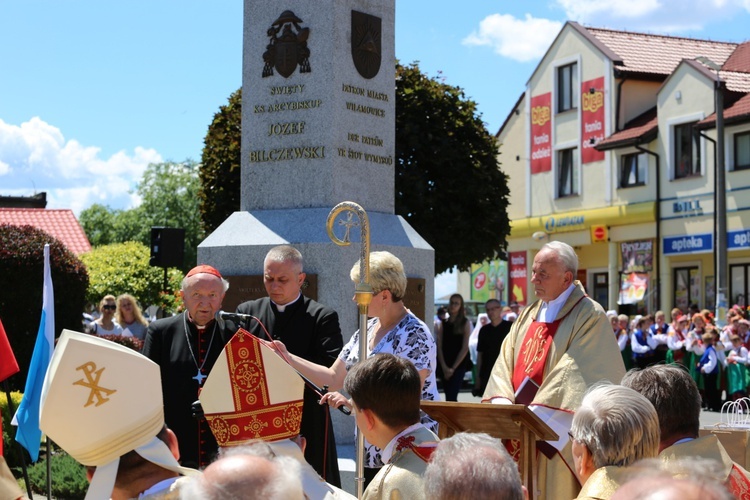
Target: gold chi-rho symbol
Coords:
[[93, 375]]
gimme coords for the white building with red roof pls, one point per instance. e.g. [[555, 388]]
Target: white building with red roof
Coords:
[[611, 148]]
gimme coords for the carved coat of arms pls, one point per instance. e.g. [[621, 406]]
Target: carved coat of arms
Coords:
[[366, 47], [287, 47]]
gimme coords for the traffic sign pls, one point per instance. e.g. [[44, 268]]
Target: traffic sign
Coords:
[[599, 234]]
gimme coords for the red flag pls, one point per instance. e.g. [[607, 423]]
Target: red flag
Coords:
[[8, 363]]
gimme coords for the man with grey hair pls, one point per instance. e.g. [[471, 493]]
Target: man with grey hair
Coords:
[[470, 466], [675, 395], [557, 348], [247, 472], [614, 427], [309, 330], [185, 347]]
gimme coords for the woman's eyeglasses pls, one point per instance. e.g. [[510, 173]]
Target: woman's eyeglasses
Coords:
[[109, 308]]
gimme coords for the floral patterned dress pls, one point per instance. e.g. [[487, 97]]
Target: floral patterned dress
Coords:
[[409, 339]]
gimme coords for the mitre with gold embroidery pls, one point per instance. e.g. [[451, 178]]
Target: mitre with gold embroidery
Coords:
[[101, 400], [251, 393]]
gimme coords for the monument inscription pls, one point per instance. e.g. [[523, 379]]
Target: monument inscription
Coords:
[[318, 128]]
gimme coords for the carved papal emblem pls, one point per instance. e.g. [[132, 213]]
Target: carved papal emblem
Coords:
[[287, 46], [366, 36]]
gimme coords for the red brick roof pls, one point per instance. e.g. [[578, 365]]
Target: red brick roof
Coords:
[[737, 82], [641, 129], [738, 111], [62, 224], [739, 60], [659, 54]]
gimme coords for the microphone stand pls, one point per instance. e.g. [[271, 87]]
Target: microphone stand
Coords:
[[222, 315]]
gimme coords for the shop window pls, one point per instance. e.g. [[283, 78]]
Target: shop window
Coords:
[[687, 151], [601, 289], [687, 287], [567, 172], [742, 151], [738, 284], [567, 87], [633, 169]]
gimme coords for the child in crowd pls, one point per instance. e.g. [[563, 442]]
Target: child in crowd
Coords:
[[658, 333], [619, 326], [736, 362], [642, 343], [385, 394], [676, 340], [694, 347], [709, 368]]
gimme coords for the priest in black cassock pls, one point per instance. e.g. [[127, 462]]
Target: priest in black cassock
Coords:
[[309, 330], [186, 347]]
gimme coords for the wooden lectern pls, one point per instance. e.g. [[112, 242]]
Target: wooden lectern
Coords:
[[500, 421]]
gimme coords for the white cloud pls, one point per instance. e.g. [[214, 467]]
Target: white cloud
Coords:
[[36, 157], [582, 9], [659, 16], [519, 39]]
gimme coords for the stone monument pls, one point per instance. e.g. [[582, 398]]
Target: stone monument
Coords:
[[318, 128]]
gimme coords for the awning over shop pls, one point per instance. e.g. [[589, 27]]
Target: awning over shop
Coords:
[[635, 213]]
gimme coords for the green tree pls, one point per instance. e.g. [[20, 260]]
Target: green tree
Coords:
[[448, 184], [124, 268], [220, 165], [21, 285], [169, 194], [98, 222]]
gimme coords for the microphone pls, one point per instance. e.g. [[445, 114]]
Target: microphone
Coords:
[[223, 315]]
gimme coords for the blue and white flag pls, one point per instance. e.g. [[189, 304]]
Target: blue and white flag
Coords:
[[27, 417]]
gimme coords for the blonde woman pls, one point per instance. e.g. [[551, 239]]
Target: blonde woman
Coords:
[[392, 329], [104, 324], [130, 317]]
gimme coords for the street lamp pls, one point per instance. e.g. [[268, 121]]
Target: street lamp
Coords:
[[721, 201]]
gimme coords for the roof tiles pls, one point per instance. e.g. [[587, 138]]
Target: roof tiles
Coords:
[[638, 130], [739, 111], [62, 224], [739, 60], [659, 54]]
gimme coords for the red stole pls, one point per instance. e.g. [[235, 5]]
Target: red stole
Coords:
[[738, 484], [534, 349], [424, 451], [530, 363]]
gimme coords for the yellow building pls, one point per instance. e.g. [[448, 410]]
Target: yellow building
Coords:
[[611, 148]]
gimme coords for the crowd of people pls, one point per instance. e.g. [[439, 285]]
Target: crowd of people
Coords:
[[213, 408], [716, 357], [120, 316]]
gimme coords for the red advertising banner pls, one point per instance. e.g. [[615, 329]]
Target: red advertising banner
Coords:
[[517, 274], [592, 119], [541, 130]]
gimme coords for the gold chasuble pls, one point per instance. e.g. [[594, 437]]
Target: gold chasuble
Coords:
[[736, 478], [603, 483], [579, 352]]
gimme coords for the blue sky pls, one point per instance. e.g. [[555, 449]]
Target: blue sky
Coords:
[[91, 91]]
